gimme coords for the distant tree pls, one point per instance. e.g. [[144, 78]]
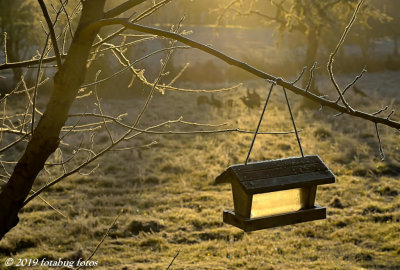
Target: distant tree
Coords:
[[318, 21], [372, 27], [16, 19], [392, 28]]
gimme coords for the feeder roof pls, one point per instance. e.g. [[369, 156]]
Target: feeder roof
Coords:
[[275, 175]]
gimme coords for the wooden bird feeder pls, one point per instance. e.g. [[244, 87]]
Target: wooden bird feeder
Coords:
[[275, 193]]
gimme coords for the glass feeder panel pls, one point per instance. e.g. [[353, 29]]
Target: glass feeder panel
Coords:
[[277, 202]]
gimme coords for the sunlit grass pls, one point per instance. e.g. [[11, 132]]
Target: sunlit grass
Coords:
[[171, 203]]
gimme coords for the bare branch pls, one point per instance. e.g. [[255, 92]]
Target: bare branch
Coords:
[[51, 31], [141, 16], [3, 120], [46, 202], [238, 130], [224, 10], [12, 131], [104, 236], [26, 91], [381, 110], [390, 114], [52, 207], [352, 83], [127, 137], [67, 16], [333, 54], [147, 146], [113, 144], [125, 62], [101, 111], [229, 60], [179, 74], [300, 75], [176, 255], [122, 8], [314, 66], [158, 79], [13, 143], [380, 143], [37, 84], [5, 47], [29, 62], [130, 65]]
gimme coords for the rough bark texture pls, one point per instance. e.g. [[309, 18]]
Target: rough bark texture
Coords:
[[46, 135]]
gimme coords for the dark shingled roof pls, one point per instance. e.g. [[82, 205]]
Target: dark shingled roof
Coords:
[[281, 174]]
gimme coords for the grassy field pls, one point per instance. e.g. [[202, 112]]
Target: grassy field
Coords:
[[170, 202]]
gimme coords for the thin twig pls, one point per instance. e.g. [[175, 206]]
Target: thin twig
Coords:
[[300, 75], [29, 63], [112, 145], [67, 16], [179, 74], [358, 77], [146, 146], [13, 143], [5, 48], [229, 60], [333, 54], [53, 38], [157, 81], [381, 110], [51, 31], [238, 130], [141, 16], [380, 143], [108, 148], [46, 202], [52, 207], [314, 66], [132, 64], [104, 236], [176, 255], [390, 114], [36, 85], [100, 110], [122, 8], [70, 130], [3, 120]]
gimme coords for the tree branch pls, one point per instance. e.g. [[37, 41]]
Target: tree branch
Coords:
[[51, 31], [232, 61], [29, 62], [333, 54], [104, 237], [141, 16], [122, 8]]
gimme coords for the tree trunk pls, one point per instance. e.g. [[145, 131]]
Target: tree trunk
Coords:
[[45, 139]]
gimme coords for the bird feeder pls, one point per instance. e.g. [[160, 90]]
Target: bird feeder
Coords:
[[275, 193]]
